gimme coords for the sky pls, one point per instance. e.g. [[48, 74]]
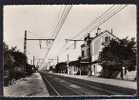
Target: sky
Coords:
[[40, 22]]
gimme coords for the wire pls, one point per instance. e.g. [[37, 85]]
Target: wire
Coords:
[[105, 18], [59, 20], [90, 24], [63, 18], [109, 17], [114, 13], [98, 20], [102, 15]]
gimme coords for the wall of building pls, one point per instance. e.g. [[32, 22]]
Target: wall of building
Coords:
[[96, 69], [96, 45], [96, 48], [72, 70]]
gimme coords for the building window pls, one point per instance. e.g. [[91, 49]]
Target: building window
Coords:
[[82, 53], [88, 53], [107, 39]]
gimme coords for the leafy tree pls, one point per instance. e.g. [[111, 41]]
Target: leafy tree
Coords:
[[8, 65], [116, 55], [15, 64], [61, 67]]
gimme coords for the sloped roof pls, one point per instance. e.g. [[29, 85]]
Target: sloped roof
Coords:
[[76, 62], [92, 38]]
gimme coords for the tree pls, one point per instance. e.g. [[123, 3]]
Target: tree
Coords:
[[116, 55], [15, 64], [61, 67], [8, 65]]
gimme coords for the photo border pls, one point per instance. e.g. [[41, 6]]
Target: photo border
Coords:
[[59, 2]]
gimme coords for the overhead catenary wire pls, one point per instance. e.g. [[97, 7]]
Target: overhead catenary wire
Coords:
[[110, 17], [60, 23], [57, 26], [100, 23], [64, 18], [92, 22], [60, 18], [107, 18], [55, 31], [113, 9]]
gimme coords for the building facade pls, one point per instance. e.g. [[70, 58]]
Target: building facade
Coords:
[[91, 48], [87, 64]]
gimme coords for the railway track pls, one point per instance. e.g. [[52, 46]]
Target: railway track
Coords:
[[58, 89], [65, 86]]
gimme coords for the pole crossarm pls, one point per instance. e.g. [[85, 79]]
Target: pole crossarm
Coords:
[[72, 40], [41, 39], [52, 59]]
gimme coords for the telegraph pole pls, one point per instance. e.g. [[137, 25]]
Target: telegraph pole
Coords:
[[25, 49], [34, 60], [25, 42], [32, 39]]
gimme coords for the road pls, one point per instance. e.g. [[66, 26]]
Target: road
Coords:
[[65, 86]]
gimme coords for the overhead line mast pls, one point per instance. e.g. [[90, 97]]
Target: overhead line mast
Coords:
[[32, 39]]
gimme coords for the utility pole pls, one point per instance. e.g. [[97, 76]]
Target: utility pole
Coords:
[[32, 39], [25, 48], [34, 60], [25, 42]]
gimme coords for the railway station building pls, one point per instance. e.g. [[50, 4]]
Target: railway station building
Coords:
[[87, 63], [90, 49]]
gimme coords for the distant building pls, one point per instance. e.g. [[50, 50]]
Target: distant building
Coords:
[[92, 47], [90, 50], [87, 63]]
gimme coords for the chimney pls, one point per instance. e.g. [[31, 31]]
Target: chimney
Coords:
[[88, 34], [98, 31]]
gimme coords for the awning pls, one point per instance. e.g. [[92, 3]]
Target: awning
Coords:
[[89, 62]]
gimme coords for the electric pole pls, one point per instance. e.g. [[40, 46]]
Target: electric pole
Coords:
[[34, 60], [25, 49], [32, 39], [25, 42]]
